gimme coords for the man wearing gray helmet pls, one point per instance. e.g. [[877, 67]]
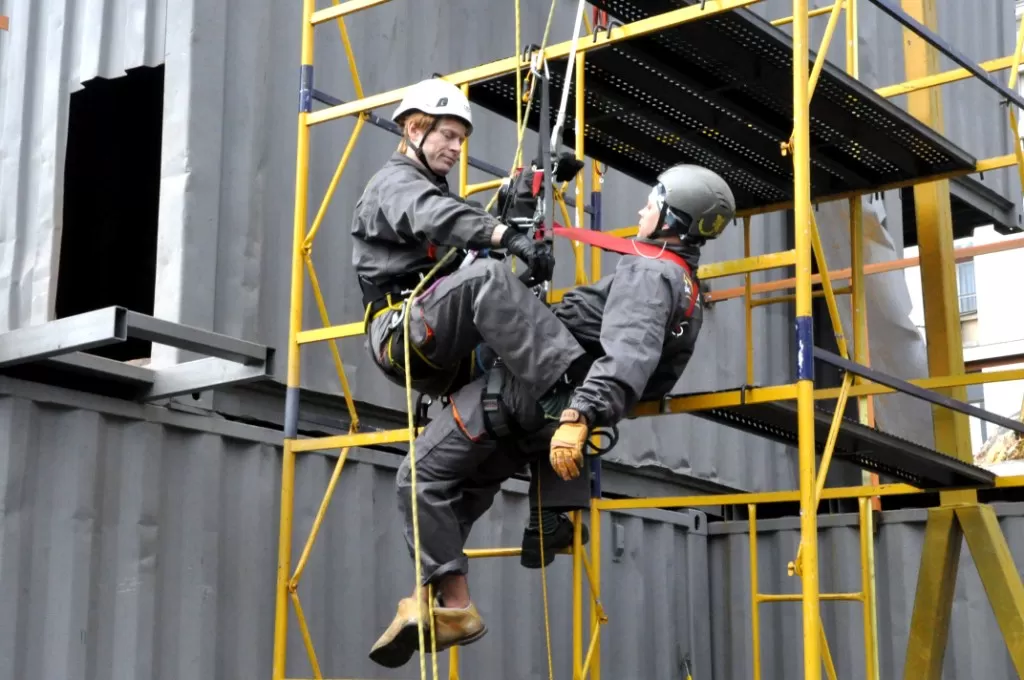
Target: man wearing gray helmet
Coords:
[[639, 327]]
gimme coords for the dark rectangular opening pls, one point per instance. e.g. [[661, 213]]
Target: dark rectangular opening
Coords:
[[112, 200]]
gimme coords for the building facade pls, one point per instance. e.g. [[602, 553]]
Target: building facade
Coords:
[[147, 160]]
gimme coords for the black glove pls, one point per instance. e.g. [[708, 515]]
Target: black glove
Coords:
[[566, 167], [536, 254]]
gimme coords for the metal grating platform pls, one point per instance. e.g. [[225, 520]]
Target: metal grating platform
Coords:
[[863, 446], [718, 92]]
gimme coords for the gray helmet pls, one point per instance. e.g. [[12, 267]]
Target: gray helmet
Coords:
[[694, 201]]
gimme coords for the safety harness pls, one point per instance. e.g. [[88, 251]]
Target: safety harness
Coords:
[[497, 420], [630, 247]]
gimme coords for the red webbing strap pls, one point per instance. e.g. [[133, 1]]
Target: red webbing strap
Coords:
[[627, 247]]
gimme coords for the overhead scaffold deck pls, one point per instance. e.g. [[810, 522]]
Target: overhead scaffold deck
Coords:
[[659, 82]]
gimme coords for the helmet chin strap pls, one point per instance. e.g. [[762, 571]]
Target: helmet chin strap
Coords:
[[418, 149]]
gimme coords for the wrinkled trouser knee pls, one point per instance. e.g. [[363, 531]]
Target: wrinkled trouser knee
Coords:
[[460, 468], [482, 304], [456, 481]]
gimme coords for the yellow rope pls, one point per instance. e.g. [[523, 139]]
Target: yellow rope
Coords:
[[412, 472], [544, 579], [411, 421]]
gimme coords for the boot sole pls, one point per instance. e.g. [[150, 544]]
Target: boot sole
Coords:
[[530, 555], [406, 642], [401, 648]]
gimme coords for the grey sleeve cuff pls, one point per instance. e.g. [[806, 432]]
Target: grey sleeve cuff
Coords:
[[586, 409]]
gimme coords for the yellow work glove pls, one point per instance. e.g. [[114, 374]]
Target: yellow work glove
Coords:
[[567, 444]]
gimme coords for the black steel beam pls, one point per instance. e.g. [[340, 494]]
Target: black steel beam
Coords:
[[915, 391], [941, 45], [385, 124]]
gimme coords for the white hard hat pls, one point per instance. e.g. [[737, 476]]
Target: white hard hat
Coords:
[[435, 97]]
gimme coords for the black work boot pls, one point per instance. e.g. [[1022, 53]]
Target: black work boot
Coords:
[[558, 530]]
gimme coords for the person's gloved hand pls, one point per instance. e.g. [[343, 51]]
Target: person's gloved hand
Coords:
[[567, 444], [536, 254]]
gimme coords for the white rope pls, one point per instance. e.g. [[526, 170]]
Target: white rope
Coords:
[[556, 133]]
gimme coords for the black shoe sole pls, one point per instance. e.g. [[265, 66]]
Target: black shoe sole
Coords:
[[558, 540], [401, 648]]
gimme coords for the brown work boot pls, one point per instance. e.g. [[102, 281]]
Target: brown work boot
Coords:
[[457, 627], [401, 639], [396, 646]]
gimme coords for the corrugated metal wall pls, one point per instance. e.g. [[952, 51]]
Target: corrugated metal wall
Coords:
[[975, 648], [141, 542], [228, 177], [52, 48], [138, 542], [260, 122]]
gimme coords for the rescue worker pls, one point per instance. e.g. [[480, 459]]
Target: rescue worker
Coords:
[[406, 221], [639, 326]]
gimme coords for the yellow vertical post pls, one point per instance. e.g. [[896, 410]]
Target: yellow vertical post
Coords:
[[284, 547], [284, 563], [862, 355], [805, 345], [867, 587], [578, 249], [464, 158], [755, 613], [935, 242], [453, 664], [577, 593], [748, 308], [595, 204], [595, 581]]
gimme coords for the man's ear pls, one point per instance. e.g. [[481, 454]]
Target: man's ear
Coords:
[[414, 132]]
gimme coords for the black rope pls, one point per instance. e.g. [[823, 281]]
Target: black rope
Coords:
[[611, 433]]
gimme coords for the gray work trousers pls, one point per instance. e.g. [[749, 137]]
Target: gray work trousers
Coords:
[[459, 469], [483, 303]]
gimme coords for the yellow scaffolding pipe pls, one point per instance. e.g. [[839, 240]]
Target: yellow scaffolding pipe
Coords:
[[813, 13], [811, 489], [805, 340]]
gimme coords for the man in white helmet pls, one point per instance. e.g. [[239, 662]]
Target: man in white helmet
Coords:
[[405, 221], [639, 326]]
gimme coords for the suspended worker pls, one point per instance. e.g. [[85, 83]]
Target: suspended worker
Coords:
[[406, 221], [639, 326]]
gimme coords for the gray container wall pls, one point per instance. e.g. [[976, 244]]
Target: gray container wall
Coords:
[[975, 648], [397, 44], [228, 174], [228, 185], [139, 542], [52, 48]]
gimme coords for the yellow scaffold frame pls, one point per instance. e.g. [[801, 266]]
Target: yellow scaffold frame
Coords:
[[959, 512]]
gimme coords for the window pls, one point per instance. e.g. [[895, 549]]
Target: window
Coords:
[[966, 287], [111, 200]]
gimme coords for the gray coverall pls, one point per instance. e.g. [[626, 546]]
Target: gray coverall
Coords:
[[405, 214], [640, 327]]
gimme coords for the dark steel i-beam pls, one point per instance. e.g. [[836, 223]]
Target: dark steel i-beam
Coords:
[[938, 43], [915, 391]]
